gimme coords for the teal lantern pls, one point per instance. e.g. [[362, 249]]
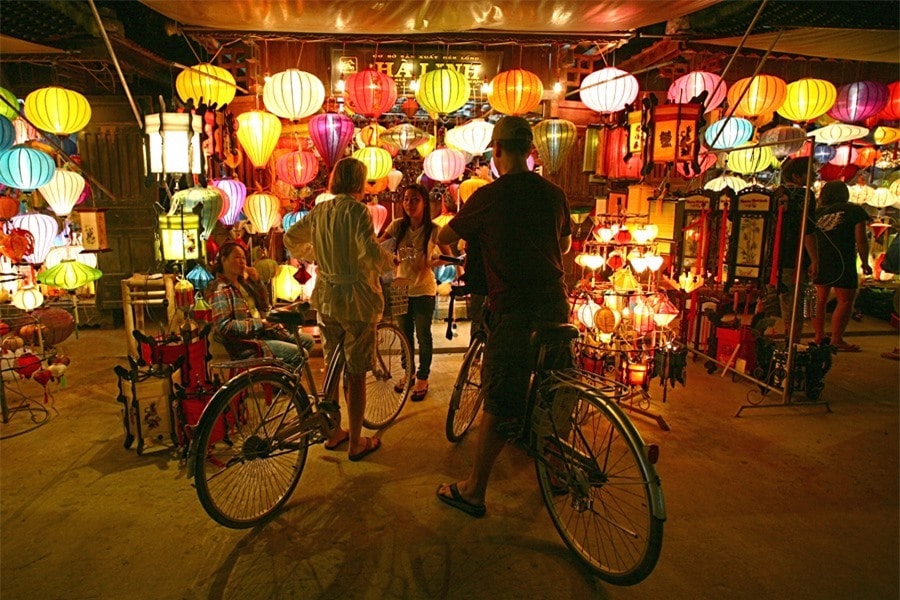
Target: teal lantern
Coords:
[[25, 168], [7, 133], [199, 277]]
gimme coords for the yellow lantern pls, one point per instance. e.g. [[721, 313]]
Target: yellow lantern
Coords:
[[750, 160], [764, 94], [262, 210], [206, 84], [554, 138], [428, 147], [258, 133], [9, 108], [725, 181], [57, 110], [378, 162], [807, 99], [179, 236], [515, 92], [442, 91], [293, 94], [886, 135], [468, 187], [286, 286]]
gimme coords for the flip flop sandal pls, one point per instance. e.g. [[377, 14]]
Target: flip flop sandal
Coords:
[[372, 444], [459, 503], [845, 347]]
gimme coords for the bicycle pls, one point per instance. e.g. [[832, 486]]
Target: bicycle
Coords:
[[596, 475], [250, 445]]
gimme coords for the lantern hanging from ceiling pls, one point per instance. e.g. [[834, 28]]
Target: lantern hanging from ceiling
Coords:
[[206, 84], [212, 202], [844, 156], [764, 94], [427, 147], [860, 193], [468, 187], [331, 134], [43, 228], [689, 86], [747, 161], [728, 133], [7, 133], [442, 91], [174, 142], [62, 191], [554, 138], [886, 135], [444, 165], [293, 94], [838, 133], [785, 140], [405, 136], [27, 298], [292, 217], [179, 235], [25, 168], [235, 195], [736, 184], [378, 161], [69, 274], [881, 198], [57, 110], [394, 177], [867, 157], [515, 92], [379, 215], [258, 132], [807, 99], [199, 277], [297, 168], [891, 110], [858, 101], [475, 136], [675, 132], [8, 104], [57, 254], [823, 153], [370, 93], [608, 90], [262, 210]]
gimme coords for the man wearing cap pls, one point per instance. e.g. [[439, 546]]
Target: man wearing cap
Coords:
[[521, 221]]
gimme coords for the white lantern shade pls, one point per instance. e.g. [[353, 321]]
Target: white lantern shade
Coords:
[[174, 142], [838, 133], [608, 90], [725, 181], [293, 94], [43, 228], [444, 164], [263, 212], [63, 191], [28, 298]]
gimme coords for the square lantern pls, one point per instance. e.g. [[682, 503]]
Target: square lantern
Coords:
[[173, 143], [179, 236], [675, 136], [93, 228]]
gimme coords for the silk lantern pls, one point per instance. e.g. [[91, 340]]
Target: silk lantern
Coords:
[[199, 277], [693, 84], [844, 156], [174, 142], [27, 298], [608, 90], [258, 132], [44, 228], [748, 161], [468, 187], [293, 94], [262, 210], [728, 133], [554, 138], [807, 99], [9, 105], [891, 110], [7, 133], [860, 193], [62, 191], [57, 254], [754, 96], [331, 134], [179, 236], [288, 220], [442, 91], [206, 84], [378, 161], [297, 168], [25, 168], [858, 101], [718, 184], [69, 274], [886, 135], [838, 133], [285, 285], [675, 132], [444, 164], [515, 92], [428, 147], [785, 140], [614, 159], [57, 110], [882, 198], [394, 177], [370, 93], [474, 137], [235, 194], [405, 136]]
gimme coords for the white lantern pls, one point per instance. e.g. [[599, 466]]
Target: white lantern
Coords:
[[608, 90], [63, 191], [444, 164], [174, 142], [28, 298]]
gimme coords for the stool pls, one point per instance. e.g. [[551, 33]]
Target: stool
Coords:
[[139, 291]]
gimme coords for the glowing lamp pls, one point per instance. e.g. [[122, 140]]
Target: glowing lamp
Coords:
[[476, 136], [179, 236], [57, 254], [636, 373], [199, 277], [718, 184], [43, 228], [623, 281], [591, 261], [57, 110], [807, 99], [884, 136], [285, 285], [689, 282], [262, 210], [688, 87], [586, 313], [642, 316], [761, 94], [8, 104], [173, 142], [405, 136], [867, 157], [882, 198], [442, 91], [291, 218], [844, 156], [235, 195], [7, 133], [823, 153], [838, 133], [27, 298], [297, 168], [665, 313], [258, 133], [25, 168], [554, 138], [515, 92], [69, 274], [608, 90], [394, 177], [785, 140], [378, 161], [444, 164], [728, 133], [858, 101], [891, 110], [427, 147], [860, 193], [370, 93], [206, 84], [747, 161], [293, 94], [654, 261], [331, 134], [62, 191]]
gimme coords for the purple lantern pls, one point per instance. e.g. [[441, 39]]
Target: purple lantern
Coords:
[[858, 101], [331, 133], [235, 192]]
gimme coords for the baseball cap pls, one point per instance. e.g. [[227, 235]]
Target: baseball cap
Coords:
[[512, 128]]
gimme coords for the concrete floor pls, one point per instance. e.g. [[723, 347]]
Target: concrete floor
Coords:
[[789, 502]]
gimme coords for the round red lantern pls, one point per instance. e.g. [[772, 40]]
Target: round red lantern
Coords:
[[617, 166], [891, 110], [370, 93], [9, 207], [297, 168]]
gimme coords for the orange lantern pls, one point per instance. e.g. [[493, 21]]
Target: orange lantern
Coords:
[[754, 96], [9, 207], [515, 92]]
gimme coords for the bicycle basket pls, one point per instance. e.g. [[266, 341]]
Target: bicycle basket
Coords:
[[396, 297]]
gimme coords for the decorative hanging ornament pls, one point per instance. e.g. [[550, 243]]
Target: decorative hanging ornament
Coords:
[[25, 168], [69, 274], [378, 161], [554, 138], [807, 99], [891, 110], [262, 210], [786, 140], [690, 86], [444, 165], [754, 96], [515, 92], [858, 101], [235, 194], [736, 184], [206, 84], [331, 134], [405, 136], [62, 191], [838, 133], [428, 147], [293, 94], [442, 91], [748, 161], [728, 133], [474, 137], [370, 93], [394, 177], [57, 110], [174, 142], [468, 187], [258, 133], [7, 133], [43, 228], [297, 168], [9, 105], [608, 90]]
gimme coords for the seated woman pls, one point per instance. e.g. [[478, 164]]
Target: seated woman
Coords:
[[239, 299]]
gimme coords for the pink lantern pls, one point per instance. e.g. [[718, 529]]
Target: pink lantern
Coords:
[[444, 164], [705, 160], [235, 194], [844, 156], [297, 168], [608, 90], [370, 93], [693, 84], [858, 101], [529, 162], [379, 215], [331, 134]]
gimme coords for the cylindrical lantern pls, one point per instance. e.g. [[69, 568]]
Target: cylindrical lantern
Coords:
[[174, 142], [293, 94], [27, 298], [838, 133], [764, 94], [69, 274], [331, 134], [297, 168], [62, 191], [206, 84], [262, 210], [235, 194], [258, 132], [43, 228], [57, 110], [858, 101], [615, 164], [180, 236], [9, 108], [378, 161], [728, 133], [25, 168], [442, 91], [608, 90], [515, 92], [554, 138], [807, 99], [785, 139], [693, 84], [370, 93], [444, 164], [7, 133], [747, 161], [405, 136]]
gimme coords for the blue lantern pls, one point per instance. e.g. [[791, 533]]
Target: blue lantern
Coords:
[[7, 133], [445, 273], [728, 133], [25, 168], [291, 218], [199, 277], [823, 153]]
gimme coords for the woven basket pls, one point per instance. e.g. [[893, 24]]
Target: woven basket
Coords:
[[396, 297]]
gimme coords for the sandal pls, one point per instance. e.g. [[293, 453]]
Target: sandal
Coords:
[[344, 439], [456, 500], [418, 395], [372, 444], [845, 347]]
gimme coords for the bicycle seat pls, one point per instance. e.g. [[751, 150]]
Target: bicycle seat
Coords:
[[553, 334], [291, 318]]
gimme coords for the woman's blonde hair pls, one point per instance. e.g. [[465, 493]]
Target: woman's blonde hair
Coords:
[[347, 177]]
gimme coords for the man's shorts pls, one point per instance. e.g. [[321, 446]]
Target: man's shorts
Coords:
[[358, 339]]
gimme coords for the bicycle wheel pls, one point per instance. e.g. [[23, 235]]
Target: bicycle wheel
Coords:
[[250, 448], [467, 393], [599, 486], [392, 371]]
